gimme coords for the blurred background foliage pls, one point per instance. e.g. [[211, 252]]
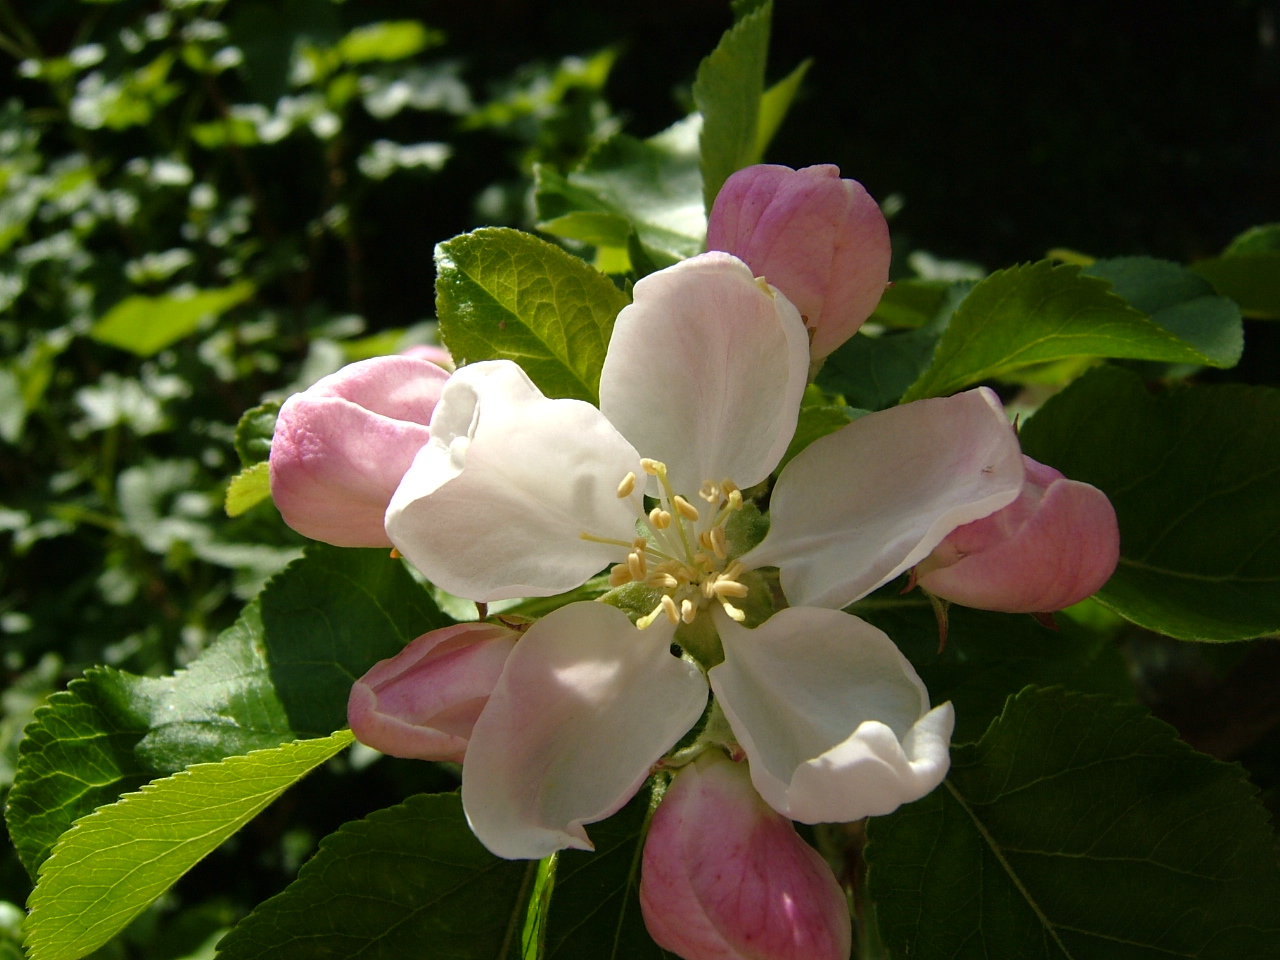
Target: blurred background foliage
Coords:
[[203, 204]]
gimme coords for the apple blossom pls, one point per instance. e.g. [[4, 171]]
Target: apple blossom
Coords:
[[517, 494], [342, 446], [819, 239], [1055, 545], [724, 877], [422, 703]]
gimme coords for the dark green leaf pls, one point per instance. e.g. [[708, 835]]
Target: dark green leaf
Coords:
[[1194, 476], [650, 187], [1037, 313], [728, 90], [254, 431], [989, 657], [911, 303], [408, 881], [119, 859], [1178, 300], [503, 294], [282, 672], [815, 422], [874, 372], [1250, 279], [146, 325], [595, 909], [1078, 827], [1260, 239]]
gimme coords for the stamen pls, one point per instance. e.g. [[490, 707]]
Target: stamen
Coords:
[[728, 486], [685, 508], [669, 608], [687, 610], [652, 467], [729, 588], [733, 571], [626, 486], [709, 492], [708, 588], [619, 574], [636, 565], [704, 540], [735, 499], [594, 539], [719, 545], [733, 612], [659, 519], [645, 622], [663, 581]]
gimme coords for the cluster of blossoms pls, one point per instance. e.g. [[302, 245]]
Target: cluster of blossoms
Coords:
[[494, 491]]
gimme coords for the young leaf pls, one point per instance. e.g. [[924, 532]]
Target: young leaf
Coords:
[[1037, 313], [652, 187], [146, 325], [254, 432], [728, 90], [1194, 476], [595, 909], [1250, 279], [1078, 827], [247, 489], [407, 881], [116, 861], [282, 672], [1179, 301], [505, 294], [774, 104]]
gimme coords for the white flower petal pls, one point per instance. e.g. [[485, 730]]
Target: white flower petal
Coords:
[[705, 371], [833, 718], [863, 504], [495, 504], [586, 704]]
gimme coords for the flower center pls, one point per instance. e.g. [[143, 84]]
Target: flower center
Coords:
[[686, 553]]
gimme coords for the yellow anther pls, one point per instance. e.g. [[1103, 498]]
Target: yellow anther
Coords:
[[763, 284], [709, 492], [687, 610], [735, 499], [663, 581], [733, 571], [619, 574], [733, 612], [685, 508], [636, 565], [659, 519], [652, 467], [719, 545], [708, 588], [728, 486], [641, 544], [627, 485], [669, 608], [704, 540], [729, 588]]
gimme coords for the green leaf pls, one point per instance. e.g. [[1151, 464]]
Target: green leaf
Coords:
[[113, 863], [1194, 475], [391, 40], [503, 294], [282, 672], [408, 881], [775, 103], [989, 657], [650, 187], [248, 488], [146, 325], [254, 432], [728, 90], [1250, 279], [1078, 827], [595, 909], [1260, 239], [1180, 302], [912, 303], [874, 372], [1037, 313], [816, 421]]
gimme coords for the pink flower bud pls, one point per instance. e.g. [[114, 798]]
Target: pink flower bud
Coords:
[[341, 447], [422, 703], [1055, 545], [819, 239], [725, 877]]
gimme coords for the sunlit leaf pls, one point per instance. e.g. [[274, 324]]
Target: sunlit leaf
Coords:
[[113, 863], [146, 325]]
